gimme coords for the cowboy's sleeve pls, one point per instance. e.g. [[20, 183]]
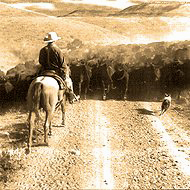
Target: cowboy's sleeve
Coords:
[[61, 61], [42, 57], [61, 57]]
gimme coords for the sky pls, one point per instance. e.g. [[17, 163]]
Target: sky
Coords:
[[120, 4]]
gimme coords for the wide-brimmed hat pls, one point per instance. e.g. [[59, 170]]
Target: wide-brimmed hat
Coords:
[[51, 37]]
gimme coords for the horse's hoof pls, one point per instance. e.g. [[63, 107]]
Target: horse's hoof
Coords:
[[125, 98], [27, 150], [104, 98], [50, 134]]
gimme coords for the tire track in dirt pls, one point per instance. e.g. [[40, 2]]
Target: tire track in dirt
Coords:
[[144, 158], [102, 150], [180, 157]]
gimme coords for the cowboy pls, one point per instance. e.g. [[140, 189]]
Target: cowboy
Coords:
[[51, 58]]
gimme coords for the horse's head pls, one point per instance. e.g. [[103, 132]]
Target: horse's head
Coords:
[[156, 71], [67, 71], [119, 67]]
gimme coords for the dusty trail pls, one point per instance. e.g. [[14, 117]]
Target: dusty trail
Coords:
[[105, 145]]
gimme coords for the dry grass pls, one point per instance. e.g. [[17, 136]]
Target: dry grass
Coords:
[[22, 38]]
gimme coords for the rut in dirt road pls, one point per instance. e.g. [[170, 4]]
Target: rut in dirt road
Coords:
[[105, 145]]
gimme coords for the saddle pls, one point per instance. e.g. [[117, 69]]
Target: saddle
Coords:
[[52, 73]]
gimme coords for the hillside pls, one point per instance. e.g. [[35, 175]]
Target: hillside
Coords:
[[61, 9], [22, 34], [156, 9], [153, 8]]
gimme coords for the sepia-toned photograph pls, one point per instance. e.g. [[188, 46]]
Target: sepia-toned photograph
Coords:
[[94, 94]]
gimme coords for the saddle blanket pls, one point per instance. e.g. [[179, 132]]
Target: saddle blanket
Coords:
[[52, 73]]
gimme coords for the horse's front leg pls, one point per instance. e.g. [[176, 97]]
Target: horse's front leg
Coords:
[[104, 91], [126, 87], [125, 93], [80, 88], [86, 90], [109, 87]]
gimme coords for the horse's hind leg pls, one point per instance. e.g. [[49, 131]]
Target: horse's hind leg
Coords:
[[31, 125], [104, 91], [85, 92], [47, 126], [63, 110], [125, 94], [38, 117], [80, 88]]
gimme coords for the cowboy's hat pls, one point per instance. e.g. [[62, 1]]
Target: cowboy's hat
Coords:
[[51, 37]]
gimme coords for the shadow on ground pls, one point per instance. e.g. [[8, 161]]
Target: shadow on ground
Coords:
[[12, 106], [18, 135], [145, 111]]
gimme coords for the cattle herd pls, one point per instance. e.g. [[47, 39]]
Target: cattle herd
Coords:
[[99, 79], [106, 80], [119, 81]]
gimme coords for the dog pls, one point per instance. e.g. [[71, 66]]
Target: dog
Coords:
[[165, 104]]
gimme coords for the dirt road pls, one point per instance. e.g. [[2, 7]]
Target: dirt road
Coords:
[[109, 145]]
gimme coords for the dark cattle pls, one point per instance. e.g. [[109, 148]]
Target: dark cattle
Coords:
[[17, 87], [182, 54], [144, 82], [185, 68], [101, 77], [182, 63], [174, 78], [136, 83], [105, 73], [120, 80], [94, 80], [80, 75], [3, 93], [152, 81], [166, 79], [178, 79]]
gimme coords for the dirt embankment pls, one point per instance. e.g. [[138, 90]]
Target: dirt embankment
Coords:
[[105, 145]]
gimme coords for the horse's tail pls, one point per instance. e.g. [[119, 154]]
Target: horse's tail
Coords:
[[37, 96]]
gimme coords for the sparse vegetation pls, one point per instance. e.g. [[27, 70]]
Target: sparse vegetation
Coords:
[[10, 163]]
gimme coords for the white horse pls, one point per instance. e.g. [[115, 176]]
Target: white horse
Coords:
[[44, 93]]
